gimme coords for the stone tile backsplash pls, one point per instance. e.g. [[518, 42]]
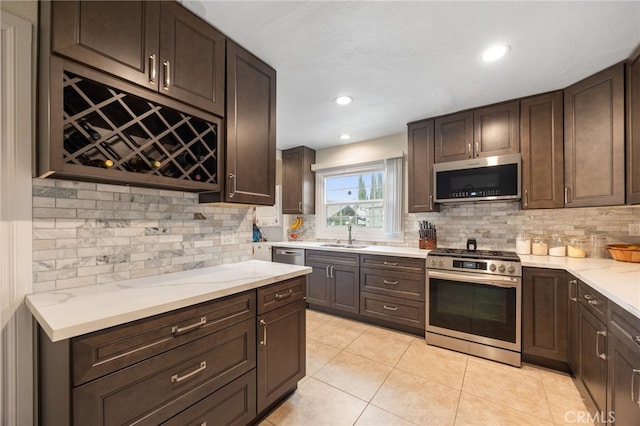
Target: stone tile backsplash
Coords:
[[88, 233]]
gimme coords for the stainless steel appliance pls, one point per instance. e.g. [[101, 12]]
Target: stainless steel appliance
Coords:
[[474, 303], [478, 179], [292, 256]]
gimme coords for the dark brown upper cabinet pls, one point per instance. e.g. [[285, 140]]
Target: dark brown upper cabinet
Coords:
[[159, 45], [541, 139], [482, 132], [420, 174], [633, 128], [454, 137], [298, 181], [594, 148], [250, 148]]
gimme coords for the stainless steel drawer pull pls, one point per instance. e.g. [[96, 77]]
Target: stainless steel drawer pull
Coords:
[[152, 68], [602, 355], [574, 284], [281, 296], [167, 74], [391, 282], [391, 263], [390, 308], [263, 323], [177, 379], [587, 296], [595, 302], [634, 374], [177, 330], [636, 339]]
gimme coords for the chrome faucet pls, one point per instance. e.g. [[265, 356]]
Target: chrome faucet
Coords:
[[349, 239]]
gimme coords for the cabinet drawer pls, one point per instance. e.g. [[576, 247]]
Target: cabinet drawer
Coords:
[[106, 351], [276, 295], [406, 264], [234, 404], [627, 322], [593, 301], [393, 309], [331, 257], [391, 283], [156, 389]]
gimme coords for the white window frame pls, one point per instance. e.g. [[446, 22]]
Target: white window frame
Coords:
[[358, 233]]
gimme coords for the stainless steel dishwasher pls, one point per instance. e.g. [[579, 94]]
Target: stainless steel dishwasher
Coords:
[[292, 256]]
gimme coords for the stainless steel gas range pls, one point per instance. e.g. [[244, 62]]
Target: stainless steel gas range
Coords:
[[474, 303]]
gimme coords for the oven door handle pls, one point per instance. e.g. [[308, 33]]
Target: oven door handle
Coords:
[[497, 281]]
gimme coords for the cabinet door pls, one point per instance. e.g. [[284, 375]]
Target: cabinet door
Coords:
[[298, 181], [251, 128], [624, 376], [454, 137], [544, 313], [594, 140], [345, 288], [421, 146], [281, 352], [496, 129], [593, 364], [118, 37], [191, 59], [633, 128], [541, 137], [318, 284], [574, 326]]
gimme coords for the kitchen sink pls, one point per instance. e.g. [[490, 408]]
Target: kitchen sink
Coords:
[[336, 245]]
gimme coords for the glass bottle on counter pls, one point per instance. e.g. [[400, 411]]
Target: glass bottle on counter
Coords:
[[557, 245], [576, 247], [540, 245], [598, 247], [523, 243]]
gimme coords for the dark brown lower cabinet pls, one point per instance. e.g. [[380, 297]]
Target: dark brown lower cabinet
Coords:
[[281, 352], [233, 405], [623, 387], [545, 316], [334, 282], [593, 358]]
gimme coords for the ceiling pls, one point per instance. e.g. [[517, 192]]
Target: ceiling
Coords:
[[403, 61]]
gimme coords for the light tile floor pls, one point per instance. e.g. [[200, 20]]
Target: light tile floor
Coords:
[[359, 374]]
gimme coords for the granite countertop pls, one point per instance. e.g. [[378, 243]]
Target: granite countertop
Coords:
[[72, 312]]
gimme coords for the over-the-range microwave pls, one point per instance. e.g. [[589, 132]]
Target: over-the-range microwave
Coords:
[[478, 179]]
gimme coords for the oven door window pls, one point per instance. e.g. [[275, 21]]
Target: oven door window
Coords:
[[477, 309]]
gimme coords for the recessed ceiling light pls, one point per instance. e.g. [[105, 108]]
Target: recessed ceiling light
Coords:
[[495, 52], [345, 137], [343, 100]]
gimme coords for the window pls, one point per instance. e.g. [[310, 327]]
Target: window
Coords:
[[362, 195]]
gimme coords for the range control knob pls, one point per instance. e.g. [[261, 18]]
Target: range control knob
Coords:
[[501, 268], [492, 267], [511, 269], [433, 262], [440, 263]]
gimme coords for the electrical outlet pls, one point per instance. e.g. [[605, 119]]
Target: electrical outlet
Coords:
[[227, 237], [634, 229]]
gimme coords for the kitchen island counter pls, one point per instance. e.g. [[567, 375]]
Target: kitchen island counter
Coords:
[[67, 313]]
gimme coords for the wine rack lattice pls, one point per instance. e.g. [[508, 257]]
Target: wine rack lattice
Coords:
[[109, 128]]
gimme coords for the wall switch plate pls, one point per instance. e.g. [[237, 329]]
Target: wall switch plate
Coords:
[[634, 229], [227, 237]]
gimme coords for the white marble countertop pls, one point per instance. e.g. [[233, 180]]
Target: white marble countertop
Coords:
[[72, 312], [368, 249], [618, 281]]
